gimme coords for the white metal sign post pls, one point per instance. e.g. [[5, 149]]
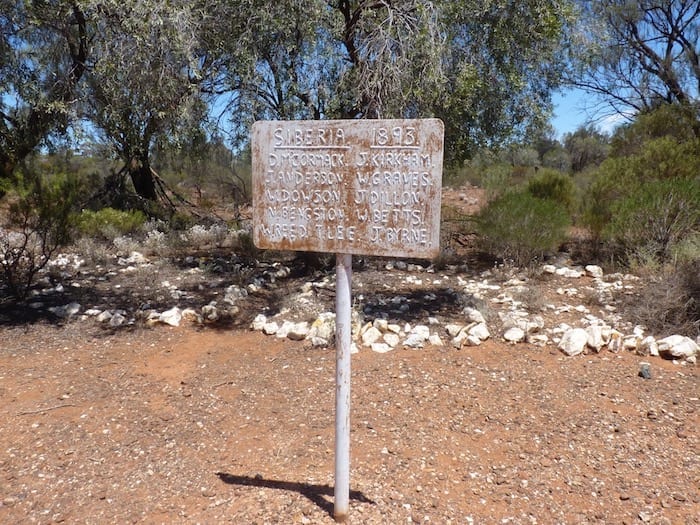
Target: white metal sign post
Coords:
[[343, 342], [368, 187]]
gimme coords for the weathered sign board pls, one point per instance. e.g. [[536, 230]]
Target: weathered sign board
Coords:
[[369, 187]]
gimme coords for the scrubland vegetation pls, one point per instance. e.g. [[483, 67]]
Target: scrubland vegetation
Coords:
[[634, 205], [120, 155]]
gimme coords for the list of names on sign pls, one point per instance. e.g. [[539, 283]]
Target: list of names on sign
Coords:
[[368, 187]]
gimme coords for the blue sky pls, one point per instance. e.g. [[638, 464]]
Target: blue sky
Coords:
[[569, 113], [574, 108]]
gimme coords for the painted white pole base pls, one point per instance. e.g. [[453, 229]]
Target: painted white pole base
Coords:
[[343, 341]]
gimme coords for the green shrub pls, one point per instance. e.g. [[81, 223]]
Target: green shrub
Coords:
[[656, 216], [558, 159], [619, 177], [39, 223], [666, 158], [496, 180], [677, 122], [609, 183], [554, 185], [688, 249], [522, 227], [587, 147], [109, 223]]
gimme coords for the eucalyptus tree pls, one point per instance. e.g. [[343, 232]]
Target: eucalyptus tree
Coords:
[[392, 52], [485, 67], [332, 59], [44, 50], [146, 82], [638, 54], [277, 64], [503, 59]]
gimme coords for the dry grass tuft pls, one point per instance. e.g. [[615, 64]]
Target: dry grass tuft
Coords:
[[669, 304]]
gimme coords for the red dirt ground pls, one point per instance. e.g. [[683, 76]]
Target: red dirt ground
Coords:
[[180, 425]]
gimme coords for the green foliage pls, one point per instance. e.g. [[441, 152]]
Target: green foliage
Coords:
[[522, 227], [610, 182], [40, 222], [43, 56], [485, 68], [496, 180], [558, 159], [645, 152], [656, 216], [144, 83], [140, 74], [586, 147], [665, 158], [554, 185], [109, 223], [471, 171], [519, 155], [678, 122], [501, 59], [45, 204]]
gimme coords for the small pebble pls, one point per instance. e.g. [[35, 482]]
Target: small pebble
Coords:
[[645, 370]]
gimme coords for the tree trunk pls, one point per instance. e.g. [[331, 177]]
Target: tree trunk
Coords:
[[7, 170], [142, 178]]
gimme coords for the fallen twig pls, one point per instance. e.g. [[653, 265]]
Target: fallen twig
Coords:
[[228, 382], [47, 409]]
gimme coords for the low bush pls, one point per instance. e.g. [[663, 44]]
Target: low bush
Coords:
[[554, 185], [669, 303], [662, 159], [94, 252], [125, 244], [521, 228], [608, 184], [656, 217], [109, 223], [496, 180], [678, 122], [200, 237], [39, 223]]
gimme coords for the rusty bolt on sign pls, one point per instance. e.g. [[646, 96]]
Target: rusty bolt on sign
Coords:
[[369, 187]]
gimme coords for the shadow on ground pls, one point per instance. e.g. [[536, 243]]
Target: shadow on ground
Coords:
[[316, 493]]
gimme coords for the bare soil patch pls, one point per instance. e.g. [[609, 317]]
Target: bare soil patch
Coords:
[[179, 425], [219, 424]]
